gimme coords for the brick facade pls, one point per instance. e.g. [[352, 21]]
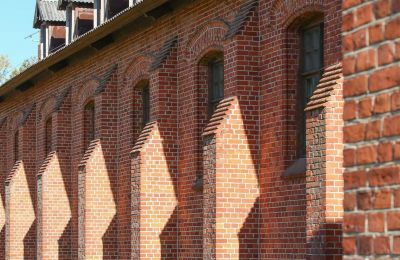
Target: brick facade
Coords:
[[371, 133], [189, 185]]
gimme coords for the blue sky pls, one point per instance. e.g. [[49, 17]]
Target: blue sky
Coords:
[[16, 21]]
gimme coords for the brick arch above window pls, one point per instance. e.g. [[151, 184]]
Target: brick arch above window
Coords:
[[86, 92], [3, 122], [286, 13], [138, 70], [19, 118], [47, 107], [209, 37]]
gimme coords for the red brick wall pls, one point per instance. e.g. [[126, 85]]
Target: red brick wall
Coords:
[[371, 133], [286, 203], [269, 211], [21, 190]]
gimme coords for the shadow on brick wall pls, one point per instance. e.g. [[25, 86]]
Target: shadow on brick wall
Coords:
[[110, 243], [169, 235], [3, 243], [326, 243], [30, 243], [169, 238], [64, 243], [248, 235]]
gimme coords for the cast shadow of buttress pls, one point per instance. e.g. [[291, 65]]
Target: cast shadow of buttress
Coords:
[[248, 235], [110, 243], [169, 238], [30, 243], [64, 243]]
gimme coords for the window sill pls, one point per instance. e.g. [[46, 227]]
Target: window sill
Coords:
[[297, 169]]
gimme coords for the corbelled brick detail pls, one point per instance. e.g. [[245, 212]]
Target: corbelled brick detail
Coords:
[[371, 133]]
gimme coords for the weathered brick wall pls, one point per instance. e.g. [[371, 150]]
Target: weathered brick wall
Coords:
[[324, 182], [54, 212], [155, 208], [231, 188], [285, 233], [21, 190], [98, 180], [371, 133]]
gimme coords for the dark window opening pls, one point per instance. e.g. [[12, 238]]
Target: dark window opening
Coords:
[[115, 7], [89, 124], [16, 146], [56, 44], [83, 26], [57, 38], [311, 60], [84, 21], [146, 104], [49, 135], [215, 84]]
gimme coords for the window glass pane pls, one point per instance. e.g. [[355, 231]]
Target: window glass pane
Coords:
[[89, 124], [311, 66], [49, 126], [16, 146], [312, 49], [146, 104], [217, 80], [216, 84]]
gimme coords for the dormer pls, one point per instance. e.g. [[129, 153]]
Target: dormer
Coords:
[[107, 9], [79, 17], [51, 23]]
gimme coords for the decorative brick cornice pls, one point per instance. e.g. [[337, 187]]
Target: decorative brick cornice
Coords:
[[240, 19], [144, 135], [163, 54], [331, 79], [218, 116]]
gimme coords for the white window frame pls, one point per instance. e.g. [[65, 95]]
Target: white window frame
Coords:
[[70, 23], [44, 40], [98, 4]]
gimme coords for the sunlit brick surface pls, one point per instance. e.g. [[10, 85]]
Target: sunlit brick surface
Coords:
[[189, 185], [371, 90]]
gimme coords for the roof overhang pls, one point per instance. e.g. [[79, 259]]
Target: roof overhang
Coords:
[[131, 19]]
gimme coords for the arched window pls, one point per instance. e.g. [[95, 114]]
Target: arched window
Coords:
[[311, 65], [215, 83], [89, 123], [16, 146], [48, 135]]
